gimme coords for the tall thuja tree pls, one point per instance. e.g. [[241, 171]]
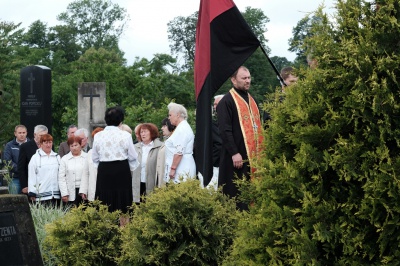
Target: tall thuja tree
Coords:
[[327, 190]]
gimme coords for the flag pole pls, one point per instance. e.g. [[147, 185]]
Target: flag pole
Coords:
[[278, 75]]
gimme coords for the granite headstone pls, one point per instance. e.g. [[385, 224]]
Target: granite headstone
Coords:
[[18, 242], [35, 82]]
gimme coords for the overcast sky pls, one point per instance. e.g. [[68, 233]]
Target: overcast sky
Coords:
[[147, 34]]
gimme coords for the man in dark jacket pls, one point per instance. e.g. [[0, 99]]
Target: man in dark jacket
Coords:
[[64, 147], [26, 151], [10, 157]]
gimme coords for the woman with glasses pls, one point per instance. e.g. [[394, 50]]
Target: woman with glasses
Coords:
[[43, 173]]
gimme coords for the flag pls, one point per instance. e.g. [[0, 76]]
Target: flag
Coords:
[[224, 41]]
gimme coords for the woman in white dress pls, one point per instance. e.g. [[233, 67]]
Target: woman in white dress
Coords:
[[179, 161]]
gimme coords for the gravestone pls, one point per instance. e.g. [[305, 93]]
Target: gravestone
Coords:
[[35, 109], [18, 242], [91, 106]]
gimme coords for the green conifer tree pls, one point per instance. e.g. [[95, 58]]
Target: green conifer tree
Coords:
[[327, 190]]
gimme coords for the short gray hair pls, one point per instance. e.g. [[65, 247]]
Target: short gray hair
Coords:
[[82, 130], [40, 128], [178, 109]]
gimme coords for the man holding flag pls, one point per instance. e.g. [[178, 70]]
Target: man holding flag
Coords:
[[241, 133]]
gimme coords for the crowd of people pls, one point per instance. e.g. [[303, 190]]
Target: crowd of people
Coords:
[[119, 171], [114, 170]]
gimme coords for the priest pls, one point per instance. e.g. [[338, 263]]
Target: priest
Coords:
[[241, 133]]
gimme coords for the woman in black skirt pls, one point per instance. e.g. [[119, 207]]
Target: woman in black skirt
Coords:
[[114, 154]]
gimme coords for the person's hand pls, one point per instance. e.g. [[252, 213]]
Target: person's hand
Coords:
[[237, 160], [65, 199], [84, 197], [172, 173], [25, 190], [32, 198]]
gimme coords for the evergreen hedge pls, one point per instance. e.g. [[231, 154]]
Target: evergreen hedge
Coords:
[[181, 224], [327, 190], [87, 235]]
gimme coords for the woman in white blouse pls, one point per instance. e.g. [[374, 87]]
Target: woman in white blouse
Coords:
[[43, 173], [115, 157], [73, 170], [179, 161], [144, 177]]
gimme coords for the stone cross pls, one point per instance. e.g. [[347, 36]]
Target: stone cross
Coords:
[[91, 95], [91, 115]]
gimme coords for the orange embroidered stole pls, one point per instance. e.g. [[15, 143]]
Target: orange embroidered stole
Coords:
[[250, 124]]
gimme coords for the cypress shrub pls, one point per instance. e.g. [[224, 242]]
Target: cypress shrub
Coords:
[[181, 224], [327, 190], [87, 235]]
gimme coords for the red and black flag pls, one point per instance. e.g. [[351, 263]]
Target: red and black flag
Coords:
[[224, 41]]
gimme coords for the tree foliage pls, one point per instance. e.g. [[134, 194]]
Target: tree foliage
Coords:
[[96, 23], [257, 21], [301, 32], [10, 63], [182, 35], [327, 191]]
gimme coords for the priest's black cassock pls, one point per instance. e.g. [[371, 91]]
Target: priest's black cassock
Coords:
[[232, 143]]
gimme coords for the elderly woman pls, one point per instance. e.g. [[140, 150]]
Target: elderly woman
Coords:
[[43, 173], [115, 157], [167, 128], [179, 162], [73, 170], [143, 179], [88, 186]]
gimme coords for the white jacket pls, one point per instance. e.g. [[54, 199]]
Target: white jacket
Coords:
[[73, 169], [42, 175]]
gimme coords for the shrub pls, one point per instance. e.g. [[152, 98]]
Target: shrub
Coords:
[[181, 224], [87, 235], [329, 192]]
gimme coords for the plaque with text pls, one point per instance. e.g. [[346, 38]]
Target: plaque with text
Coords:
[[9, 244], [18, 242]]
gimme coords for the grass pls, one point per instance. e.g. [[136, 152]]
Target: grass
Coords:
[[43, 215]]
